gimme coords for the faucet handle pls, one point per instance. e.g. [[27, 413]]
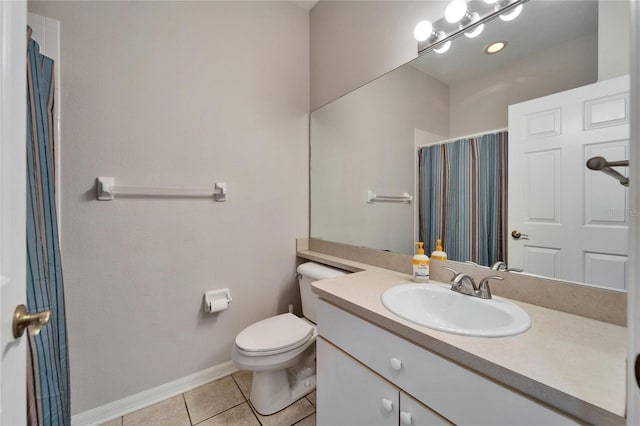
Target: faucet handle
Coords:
[[455, 273], [472, 263], [499, 266], [484, 292]]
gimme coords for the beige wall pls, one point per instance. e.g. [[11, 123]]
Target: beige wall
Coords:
[[366, 141], [177, 94], [354, 42]]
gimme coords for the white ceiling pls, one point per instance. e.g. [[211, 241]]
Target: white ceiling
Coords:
[[541, 25]]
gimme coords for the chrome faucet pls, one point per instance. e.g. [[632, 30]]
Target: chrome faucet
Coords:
[[464, 283], [501, 266]]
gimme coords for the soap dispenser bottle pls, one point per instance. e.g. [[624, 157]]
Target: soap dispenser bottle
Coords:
[[420, 265], [438, 253]]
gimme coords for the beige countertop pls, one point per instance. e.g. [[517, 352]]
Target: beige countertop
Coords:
[[573, 363]]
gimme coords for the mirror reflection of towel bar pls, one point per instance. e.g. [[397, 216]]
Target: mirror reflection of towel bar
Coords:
[[600, 163], [404, 198]]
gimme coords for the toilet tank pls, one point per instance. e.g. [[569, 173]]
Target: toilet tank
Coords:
[[308, 273]]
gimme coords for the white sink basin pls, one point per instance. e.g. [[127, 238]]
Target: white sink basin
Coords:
[[436, 306]]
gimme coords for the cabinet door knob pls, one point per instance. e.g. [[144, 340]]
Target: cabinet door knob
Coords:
[[387, 405], [396, 364], [405, 418]]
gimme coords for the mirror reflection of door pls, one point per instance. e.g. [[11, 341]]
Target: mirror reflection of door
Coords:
[[573, 221]]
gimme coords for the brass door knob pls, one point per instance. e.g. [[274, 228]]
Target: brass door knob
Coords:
[[517, 235], [24, 319]]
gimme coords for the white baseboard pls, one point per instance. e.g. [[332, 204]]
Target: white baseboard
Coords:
[[132, 403]]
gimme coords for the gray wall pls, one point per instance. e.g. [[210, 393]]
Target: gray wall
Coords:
[[481, 104], [354, 42], [177, 94], [366, 141]]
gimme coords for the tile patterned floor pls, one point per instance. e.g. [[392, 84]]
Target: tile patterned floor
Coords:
[[223, 402]]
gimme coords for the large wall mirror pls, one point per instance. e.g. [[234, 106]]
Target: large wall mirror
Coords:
[[564, 63]]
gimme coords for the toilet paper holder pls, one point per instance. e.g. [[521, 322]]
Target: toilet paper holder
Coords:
[[217, 300]]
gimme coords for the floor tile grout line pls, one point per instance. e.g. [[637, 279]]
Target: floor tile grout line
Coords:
[[238, 385], [220, 413], [304, 418], [186, 407], [310, 402]]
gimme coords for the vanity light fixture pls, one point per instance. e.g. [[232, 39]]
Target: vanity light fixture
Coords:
[[495, 47], [460, 19]]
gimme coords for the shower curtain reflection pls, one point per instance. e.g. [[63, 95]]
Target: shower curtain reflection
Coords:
[[463, 198]]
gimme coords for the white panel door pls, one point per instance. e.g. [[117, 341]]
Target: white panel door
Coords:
[[573, 221], [633, 312], [351, 394], [13, 21]]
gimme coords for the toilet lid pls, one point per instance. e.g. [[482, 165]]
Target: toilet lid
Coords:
[[274, 335]]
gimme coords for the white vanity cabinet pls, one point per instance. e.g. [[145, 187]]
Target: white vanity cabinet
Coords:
[[351, 394], [362, 364]]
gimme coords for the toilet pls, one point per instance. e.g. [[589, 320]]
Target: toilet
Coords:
[[281, 350]]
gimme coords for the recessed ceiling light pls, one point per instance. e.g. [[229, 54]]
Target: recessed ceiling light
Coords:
[[495, 47]]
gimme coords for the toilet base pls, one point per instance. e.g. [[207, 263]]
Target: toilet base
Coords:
[[273, 390]]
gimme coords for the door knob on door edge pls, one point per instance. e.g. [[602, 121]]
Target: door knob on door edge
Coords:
[[33, 321], [517, 235]]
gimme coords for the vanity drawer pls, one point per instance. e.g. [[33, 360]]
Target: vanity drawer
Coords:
[[453, 391]]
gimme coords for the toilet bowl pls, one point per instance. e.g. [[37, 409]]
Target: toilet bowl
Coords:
[[281, 350]]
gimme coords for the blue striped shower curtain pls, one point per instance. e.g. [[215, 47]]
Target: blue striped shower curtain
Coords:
[[47, 355], [463, 198]]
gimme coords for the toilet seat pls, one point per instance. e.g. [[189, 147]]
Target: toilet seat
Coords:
[[274, 335]]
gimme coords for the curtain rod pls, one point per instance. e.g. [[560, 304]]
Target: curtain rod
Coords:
[[457, 138]]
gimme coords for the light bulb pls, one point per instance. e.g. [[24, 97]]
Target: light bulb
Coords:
[[423, 30], [443, 48], [475, 32], [510, 16], [455, 11]]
